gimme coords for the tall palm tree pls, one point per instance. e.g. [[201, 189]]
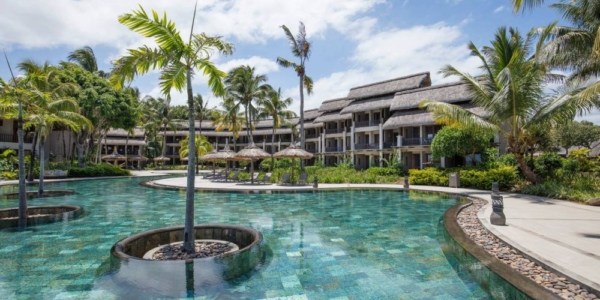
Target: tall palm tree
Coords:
[[229, 117], [301, 49], [248, 90], [86, 58], [202, 114], [511, 91], [519, 5], [49, 104], [275, 107], [178, 61], [161, 116]]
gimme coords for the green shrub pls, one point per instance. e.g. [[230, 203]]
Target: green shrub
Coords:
[[508, 159], [98, 170], [546, 164], [428, 176], [380, 171], [8, 175]]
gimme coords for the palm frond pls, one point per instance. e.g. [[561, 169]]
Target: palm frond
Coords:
[[308, 84], [215, 76], [173, 76], [162, 29]]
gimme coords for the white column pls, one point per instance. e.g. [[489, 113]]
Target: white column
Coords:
[[352, 138], [318, 148], [421, 163], [421, 137], [380, 136], [399, 142], [381, 158], [443, 162], [264, 143], [344, 141], [279, 144]]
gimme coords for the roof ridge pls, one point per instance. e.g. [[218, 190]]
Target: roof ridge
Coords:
[[427, 88], [336, 99], [390, 80]]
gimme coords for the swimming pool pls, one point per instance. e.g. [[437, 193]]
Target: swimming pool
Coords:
[[368, 244]]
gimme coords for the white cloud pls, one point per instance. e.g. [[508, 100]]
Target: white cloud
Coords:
[[35, 24], [499, 9], [262, 65]]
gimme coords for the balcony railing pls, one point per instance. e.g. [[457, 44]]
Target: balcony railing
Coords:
[[387, 145], [334, 130], [286, 140], [13, 138], [311, 135], [333, 149], [311, 150], [367, 123], [365, 146], [416, 141]]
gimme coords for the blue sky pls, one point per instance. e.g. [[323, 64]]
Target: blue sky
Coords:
[[355, 42]]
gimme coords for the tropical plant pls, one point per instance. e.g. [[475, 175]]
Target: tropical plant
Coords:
[[202, 147], [229, 117], [275, 107], [511, 91], [582, 134], [161, 116], [86, 58], [49, 103], [301, 49], [453, 141], [247, 89], [178, 61]]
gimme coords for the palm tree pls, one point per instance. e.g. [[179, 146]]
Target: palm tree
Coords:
[[229, 117], [248, 90], [202, 114], [49, 104], [202, 146], [301, 49], [86, 58], [178, 62], [511, 91], [275, 107], [160, 116], [519, 5]]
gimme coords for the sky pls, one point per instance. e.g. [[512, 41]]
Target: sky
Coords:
[[354, 42]]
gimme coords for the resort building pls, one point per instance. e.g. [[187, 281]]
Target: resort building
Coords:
[[9, 138], [371, 125]]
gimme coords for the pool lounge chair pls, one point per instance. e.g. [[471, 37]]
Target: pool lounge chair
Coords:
[[265, 179], [303, 178], [235, 176], [214, 176], [285, 179]]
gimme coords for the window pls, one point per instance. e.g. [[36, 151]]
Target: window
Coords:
[[1, 122]]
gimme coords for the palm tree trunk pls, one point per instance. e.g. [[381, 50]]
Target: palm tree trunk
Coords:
[[80, 147], [273, 149], [302, 118], [164, 146], [188, 231], [32, 156], [250, 140], [527, 172], [22, 193], [126, 145], [200, 127], [41, 181]]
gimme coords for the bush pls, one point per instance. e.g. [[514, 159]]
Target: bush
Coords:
[[477, 178], [8, 175], [546, 164], [508, 159], [381, 171], [428, 176], [98, 170]]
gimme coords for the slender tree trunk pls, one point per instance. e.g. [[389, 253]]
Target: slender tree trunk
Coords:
[[41, 181], [302, 118], [164, 147], [527, 172], [189, 232], [22, 193], [250, 139], [273, 149], [200, 128], [80, 147], [126, 145], [64, 145], [32, 156]]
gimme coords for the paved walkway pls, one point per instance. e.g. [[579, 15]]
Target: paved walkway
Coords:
[[561, 234]]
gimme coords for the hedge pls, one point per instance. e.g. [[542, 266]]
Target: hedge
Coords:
[[481, 179], [98, 170]]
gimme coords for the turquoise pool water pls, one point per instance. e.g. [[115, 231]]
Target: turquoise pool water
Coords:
[[329, 245]]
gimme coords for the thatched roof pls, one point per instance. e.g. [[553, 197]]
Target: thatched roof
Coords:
[[253, 152], [293, 151], [138, 157], [310, 125], [390, 86], [310, 114], [204, 133], [113, 156], [263, 124], [282, 130], [374, 103], [417, 117], [184, 124], [225, 154], [333, 116], [162, 158], [123, 142], [334, 104], [137, 132], [450, 93]]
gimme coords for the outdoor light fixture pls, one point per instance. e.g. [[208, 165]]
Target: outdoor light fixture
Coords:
[[406, 185], [497, 217]]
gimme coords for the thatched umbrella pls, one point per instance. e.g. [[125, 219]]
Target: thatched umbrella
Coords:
[[210, 156], [162, 159], [253, 153], [293, 151], [114, 157], [138, 158], [226, 154]]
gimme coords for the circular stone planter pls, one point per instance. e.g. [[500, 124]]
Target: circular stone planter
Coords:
[[171, 277], [34, 194], [39, 215]]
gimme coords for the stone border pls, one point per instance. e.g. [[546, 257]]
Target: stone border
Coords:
[[33, 194], [50, 214]]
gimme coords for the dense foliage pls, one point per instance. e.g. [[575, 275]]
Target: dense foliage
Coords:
[[97, 170], [478, 178], [460, 141]]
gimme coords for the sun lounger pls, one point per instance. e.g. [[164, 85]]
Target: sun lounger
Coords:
[[285, 179], [303, 178], [265, 179], [235, 176]]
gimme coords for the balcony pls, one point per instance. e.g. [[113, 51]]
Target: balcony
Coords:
[[416, 141], [311, 135], [334, 149], [387, 145], [366, 146], [285, 140], [367, 123], [334, 130], [313, 151], [13, 138]]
